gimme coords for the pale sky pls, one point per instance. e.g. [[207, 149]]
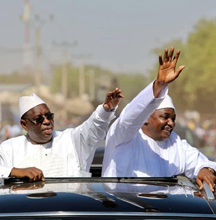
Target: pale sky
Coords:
[[119, 34]]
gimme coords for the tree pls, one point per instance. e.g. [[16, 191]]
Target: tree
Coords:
[[131, 85], [195, 88]]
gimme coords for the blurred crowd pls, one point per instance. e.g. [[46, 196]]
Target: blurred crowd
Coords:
[[202, 130], [9, 131]]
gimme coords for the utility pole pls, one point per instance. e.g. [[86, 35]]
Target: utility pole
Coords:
[[64, 73], [38, 23], [65, 45], [37, 75], [82, 73], [26, 19], [92, 85], [37, 54], [81, 80]]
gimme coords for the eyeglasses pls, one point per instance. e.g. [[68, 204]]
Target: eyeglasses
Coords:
[[39, 120]]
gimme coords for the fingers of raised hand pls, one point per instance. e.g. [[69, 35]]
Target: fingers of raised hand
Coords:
[[166, 58], [112, 99], [175, 59], [178, 71], [109, 95], [116, 93], [160, 60], [167, 55], [171, 54]]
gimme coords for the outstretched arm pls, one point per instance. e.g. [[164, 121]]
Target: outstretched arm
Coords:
[[143, 105], [92, 132], [167, 72]]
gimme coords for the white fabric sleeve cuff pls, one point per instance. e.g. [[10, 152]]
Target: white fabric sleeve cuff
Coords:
[[163, 93], [5, 171], [210, 164], [155, 101], [104, 115]]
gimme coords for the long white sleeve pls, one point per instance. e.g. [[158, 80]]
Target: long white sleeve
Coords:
[[5, 162], [195, 160], [90, 134]]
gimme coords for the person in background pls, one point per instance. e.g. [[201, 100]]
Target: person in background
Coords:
[[141, 142], [9, 131], [43, 152]]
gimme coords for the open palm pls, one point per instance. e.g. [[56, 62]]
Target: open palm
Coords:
[[167, 72]]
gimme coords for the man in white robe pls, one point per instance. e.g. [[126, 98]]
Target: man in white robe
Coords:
[[140, 143], [43, 152]]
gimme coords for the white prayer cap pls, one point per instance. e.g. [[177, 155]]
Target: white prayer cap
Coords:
[[28, 102], [166, 103]]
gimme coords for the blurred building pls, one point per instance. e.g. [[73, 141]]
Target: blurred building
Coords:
[[66, 110]]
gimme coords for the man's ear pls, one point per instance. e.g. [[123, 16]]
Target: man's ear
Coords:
[[24, 124]]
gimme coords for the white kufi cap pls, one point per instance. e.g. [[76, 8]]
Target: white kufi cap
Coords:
[[28, 102], [166, 103]]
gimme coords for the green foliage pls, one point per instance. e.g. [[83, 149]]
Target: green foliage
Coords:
[[73, 79], [131, 85], [196, 86], [201, 47], [56, 80]]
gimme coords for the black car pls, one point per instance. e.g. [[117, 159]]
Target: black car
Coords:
[[106, 198]]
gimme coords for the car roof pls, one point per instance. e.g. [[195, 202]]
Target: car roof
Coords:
[[143, 196]]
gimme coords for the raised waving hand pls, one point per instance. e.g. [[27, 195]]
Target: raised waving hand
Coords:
[[167, 70], [112, 99]]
